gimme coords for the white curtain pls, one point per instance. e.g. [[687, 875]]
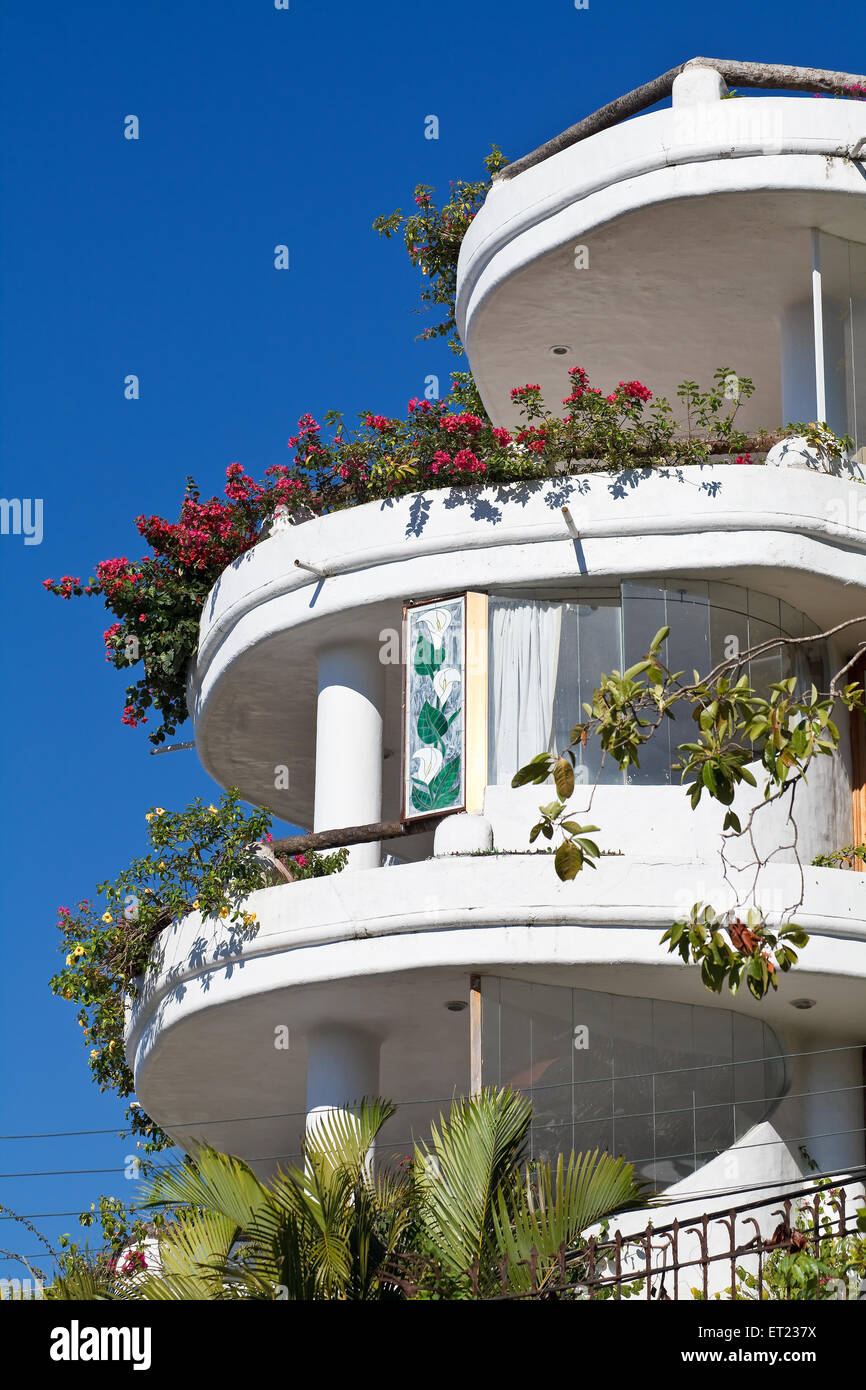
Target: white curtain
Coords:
[[524, 654]]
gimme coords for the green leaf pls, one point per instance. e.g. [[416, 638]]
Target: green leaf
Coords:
[[636, 670], [432, 724], [568, 860], [796, 935], [428, 657], [422, 798], [563, 776], [537, 770], [445, 786]]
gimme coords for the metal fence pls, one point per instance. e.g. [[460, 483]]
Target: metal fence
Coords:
[[678, 1260]]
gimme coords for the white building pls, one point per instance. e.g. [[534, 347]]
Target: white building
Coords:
[[714, 232]]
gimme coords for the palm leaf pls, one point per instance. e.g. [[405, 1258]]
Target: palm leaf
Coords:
[[473, 1161], [556, 1206]]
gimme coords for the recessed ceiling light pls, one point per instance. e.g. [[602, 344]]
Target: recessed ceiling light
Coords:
[[559, 350], [803, 1003], [456, 1006]]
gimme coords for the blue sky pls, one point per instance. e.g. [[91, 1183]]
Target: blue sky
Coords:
[[155, 257]]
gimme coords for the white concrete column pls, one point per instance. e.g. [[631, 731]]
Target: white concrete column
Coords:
[[349, 744], [342, 1066]]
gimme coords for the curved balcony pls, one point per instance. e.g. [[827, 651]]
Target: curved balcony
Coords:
[[268, 624], [672, 244], [386, 951]]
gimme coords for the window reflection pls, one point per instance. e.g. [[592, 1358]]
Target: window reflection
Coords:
[[547, 655], [667, 1085]]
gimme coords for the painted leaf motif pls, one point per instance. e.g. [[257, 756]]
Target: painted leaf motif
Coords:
[[422, 800], [445, 786], [428, 657], [432, 724]]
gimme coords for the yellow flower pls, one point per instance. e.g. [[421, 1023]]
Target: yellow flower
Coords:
[[112, 1045], [214, 809], [79, 951], [160, 810], [224, 912], [106, 917], [149, 815], [249, 918], [161, 864], [94, 1053], [68, 960], [195, 905]]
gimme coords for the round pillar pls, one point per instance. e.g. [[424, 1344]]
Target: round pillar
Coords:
[[349, 744], [342, 1067]]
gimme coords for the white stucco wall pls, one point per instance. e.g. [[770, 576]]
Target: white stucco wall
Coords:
[[802, 539]]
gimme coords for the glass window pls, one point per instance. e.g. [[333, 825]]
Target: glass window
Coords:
[[668, 1085], [546, 658], [843, 293]]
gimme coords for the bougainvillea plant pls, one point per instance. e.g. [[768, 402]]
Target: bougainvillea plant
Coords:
[[432, 236], [205, 859], [157, 601]]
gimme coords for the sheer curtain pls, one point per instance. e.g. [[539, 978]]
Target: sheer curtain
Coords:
[[524, 654]]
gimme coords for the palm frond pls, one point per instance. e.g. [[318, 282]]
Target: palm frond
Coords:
[[473, 1160], [555, 1206], [212, 1179]]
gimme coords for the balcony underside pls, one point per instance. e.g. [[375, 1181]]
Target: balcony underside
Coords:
[[385, 950]]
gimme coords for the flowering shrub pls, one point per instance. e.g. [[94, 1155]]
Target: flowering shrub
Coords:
[[433, 236], [312, 865], [204, 859], [157, 601], [116, 1267]]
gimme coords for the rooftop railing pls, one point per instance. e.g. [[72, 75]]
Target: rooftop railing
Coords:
[[765, 76]]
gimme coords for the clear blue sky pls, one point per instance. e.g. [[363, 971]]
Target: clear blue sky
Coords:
[[155, 257]]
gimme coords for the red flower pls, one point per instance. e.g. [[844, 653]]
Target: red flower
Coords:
[[635, 390], [463, 421], [467, 462]]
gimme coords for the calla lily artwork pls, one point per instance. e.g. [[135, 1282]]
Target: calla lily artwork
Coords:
[[434, 708]]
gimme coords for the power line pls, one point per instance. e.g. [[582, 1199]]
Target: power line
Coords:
[[851, 1175], [446, 1100], [542, 1126]]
